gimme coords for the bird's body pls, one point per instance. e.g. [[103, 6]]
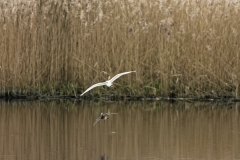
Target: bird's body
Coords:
[[108, 82], [103, 117]]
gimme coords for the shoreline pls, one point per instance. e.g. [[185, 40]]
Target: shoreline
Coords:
[[91, 97]]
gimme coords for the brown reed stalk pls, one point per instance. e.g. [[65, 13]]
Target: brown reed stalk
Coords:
[[187, 48]]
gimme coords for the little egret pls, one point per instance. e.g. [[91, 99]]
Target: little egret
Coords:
[[108, 82]]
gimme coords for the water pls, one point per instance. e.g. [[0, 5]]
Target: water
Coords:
[[140, 131]]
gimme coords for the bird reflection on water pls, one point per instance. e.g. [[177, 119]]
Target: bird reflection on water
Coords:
[[103, 117]]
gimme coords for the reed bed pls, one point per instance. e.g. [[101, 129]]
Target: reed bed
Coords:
[[178, 48]]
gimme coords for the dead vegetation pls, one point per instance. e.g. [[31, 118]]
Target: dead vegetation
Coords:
[[178, 48]]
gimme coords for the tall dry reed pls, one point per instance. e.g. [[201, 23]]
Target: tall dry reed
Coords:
[[178, 48]]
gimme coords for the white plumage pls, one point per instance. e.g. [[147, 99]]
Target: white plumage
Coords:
[[108, 82]]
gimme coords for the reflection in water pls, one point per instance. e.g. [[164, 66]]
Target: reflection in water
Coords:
[[157, 130]]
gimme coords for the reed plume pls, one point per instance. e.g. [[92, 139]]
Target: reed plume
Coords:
[[178, 48]]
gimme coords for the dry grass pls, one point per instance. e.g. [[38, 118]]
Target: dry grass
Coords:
[[183, 48]]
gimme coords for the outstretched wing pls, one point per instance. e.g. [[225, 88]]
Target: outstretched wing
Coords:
[[93, 86], [97, 121], [120, 74]]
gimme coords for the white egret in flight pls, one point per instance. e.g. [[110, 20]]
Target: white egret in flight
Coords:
[[107, 83]]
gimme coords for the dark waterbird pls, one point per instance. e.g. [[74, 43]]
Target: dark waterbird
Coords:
[[103, 117]]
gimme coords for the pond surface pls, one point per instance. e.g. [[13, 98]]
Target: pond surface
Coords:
[[140, 131]]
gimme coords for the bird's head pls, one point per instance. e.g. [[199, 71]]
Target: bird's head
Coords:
[[109, 83]]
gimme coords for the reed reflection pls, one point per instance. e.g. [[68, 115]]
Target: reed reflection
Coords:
[[37, 130]]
